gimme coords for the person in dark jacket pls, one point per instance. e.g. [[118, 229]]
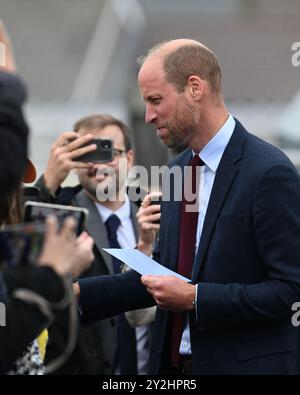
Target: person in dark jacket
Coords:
[[29, 298], [109, 346], [13, 129]]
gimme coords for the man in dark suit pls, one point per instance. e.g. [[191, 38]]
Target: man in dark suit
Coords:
[[110, 346], [241, 248]]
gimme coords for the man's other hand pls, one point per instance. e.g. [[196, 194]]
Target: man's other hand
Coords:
[[148, 218]]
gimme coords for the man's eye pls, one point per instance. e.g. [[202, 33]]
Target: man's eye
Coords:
[[156, 100]]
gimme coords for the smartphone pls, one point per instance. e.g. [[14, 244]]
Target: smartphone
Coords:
[[21, 244], [104, 152], [156, 202], [31, 194], [37, 212]]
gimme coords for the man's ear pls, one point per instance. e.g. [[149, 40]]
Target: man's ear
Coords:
[[130, 158], [196, 87]]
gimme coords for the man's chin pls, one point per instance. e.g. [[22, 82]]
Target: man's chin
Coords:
[[166, 141], [171, 143], [106, 193]]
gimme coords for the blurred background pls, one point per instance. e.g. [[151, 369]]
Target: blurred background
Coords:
[[79, 57]]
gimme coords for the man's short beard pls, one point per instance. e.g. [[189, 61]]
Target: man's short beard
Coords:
[[179, 136], [177, 146], [175, 143]]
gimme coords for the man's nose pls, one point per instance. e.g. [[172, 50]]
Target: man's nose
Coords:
[[103, 165], [150, 114]]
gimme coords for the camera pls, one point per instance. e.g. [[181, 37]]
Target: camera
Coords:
[[38, 212], [103, 154], [159, 201]]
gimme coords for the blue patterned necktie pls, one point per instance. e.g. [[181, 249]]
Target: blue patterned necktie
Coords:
[[112, 225]]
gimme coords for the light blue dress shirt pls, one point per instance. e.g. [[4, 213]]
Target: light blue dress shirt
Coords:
[[211, 155]]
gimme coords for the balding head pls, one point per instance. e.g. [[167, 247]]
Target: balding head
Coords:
[[183, 58], [164, 48]]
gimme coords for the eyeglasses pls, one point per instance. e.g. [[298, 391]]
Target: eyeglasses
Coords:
[[117, 153]]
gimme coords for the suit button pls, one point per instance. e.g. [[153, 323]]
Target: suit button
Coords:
[[113, 322]]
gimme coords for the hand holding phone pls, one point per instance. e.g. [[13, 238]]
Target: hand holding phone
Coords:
[[156, 202], [103, 153], [21, 244], [62, 158], [63, 252], [148, 218], [38, 212], [42, 244]]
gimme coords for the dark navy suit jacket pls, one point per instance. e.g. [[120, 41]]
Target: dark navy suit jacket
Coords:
[[247, 268]]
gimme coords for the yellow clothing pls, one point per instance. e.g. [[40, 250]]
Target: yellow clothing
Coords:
[[42, 342]]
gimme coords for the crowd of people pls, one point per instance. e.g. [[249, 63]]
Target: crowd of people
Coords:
[[46, 283], [239, 248]]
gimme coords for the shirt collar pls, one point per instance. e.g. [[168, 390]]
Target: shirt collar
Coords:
[[212, 153], [123, 213]]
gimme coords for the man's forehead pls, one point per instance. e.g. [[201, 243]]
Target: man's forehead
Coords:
[[110, 131], [153, 65], [151, 76], [86, 130], [96, 129]]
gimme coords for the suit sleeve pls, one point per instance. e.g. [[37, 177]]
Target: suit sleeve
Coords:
[[276, 223], [105, 296]]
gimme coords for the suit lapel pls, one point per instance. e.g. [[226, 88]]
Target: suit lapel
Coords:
[[225, 175], [95, 227], [173, 217], [172, 234], [133, 212]]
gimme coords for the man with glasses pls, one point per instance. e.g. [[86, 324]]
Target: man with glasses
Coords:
[[109, 346]]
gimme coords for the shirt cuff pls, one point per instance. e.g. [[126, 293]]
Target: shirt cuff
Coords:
[[196, 304]]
